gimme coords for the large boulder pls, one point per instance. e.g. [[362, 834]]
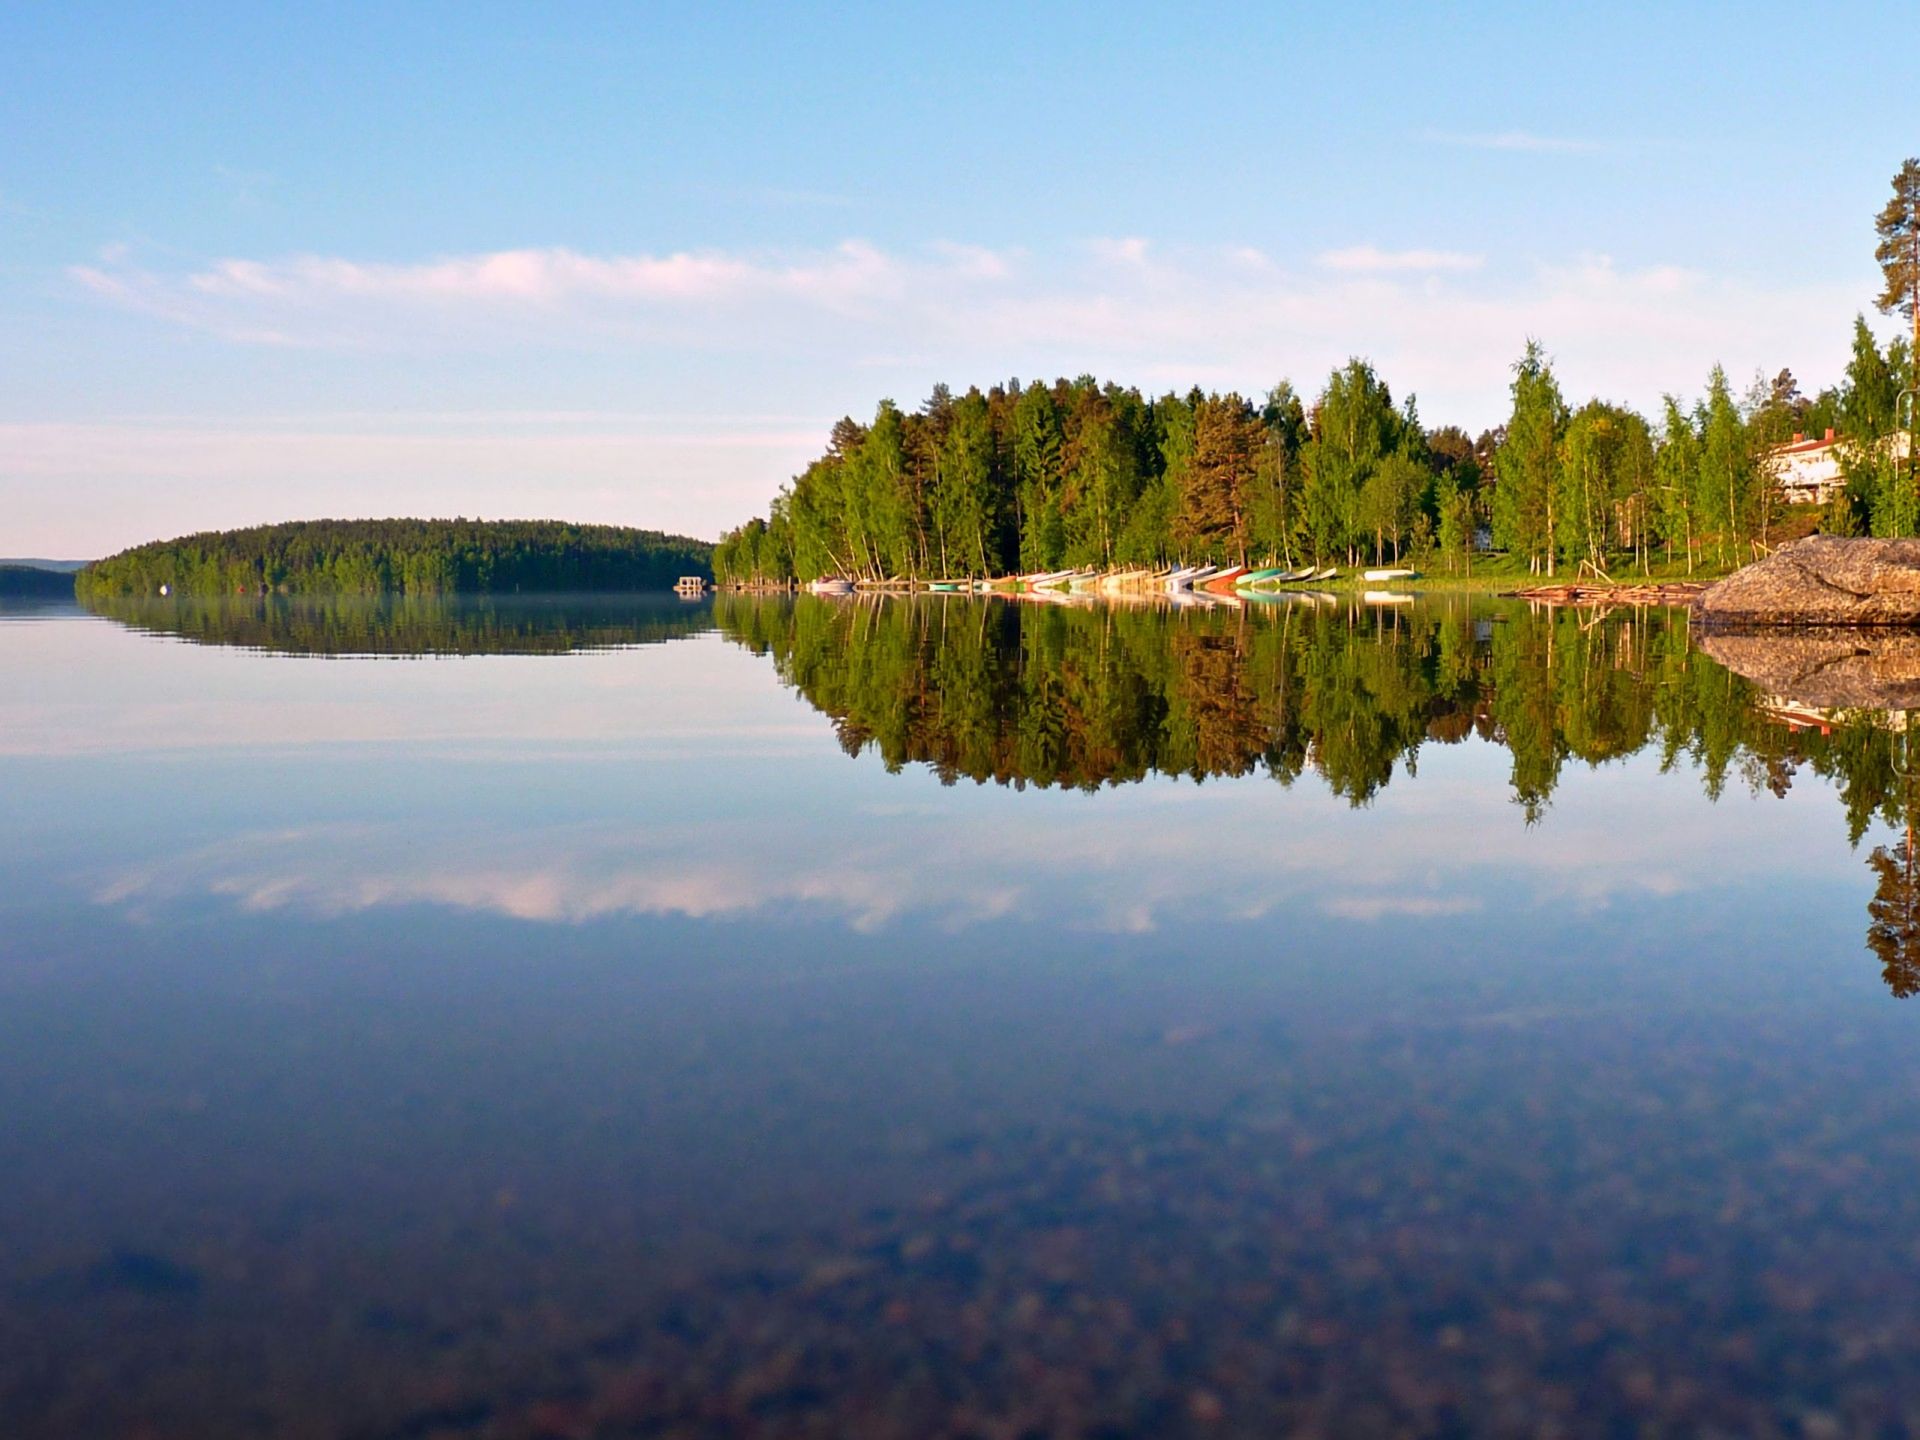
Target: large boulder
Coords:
[[1822, 580], [1826, 667]]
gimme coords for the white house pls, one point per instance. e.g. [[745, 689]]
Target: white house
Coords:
[[1810, 470]]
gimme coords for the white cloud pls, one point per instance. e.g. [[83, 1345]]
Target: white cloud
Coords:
[[1370, 259], [836, 328]]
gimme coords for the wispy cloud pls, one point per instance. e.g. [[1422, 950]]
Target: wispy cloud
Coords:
[[1442, 322], [1524, 141], [1372, 260]]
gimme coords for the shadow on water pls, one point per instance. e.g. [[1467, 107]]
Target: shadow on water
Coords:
[[402, 626]]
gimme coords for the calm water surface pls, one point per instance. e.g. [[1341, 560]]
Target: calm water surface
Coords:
[[800, 1018]]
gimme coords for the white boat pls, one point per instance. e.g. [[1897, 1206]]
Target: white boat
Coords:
[[831, 585], [1045, 577]]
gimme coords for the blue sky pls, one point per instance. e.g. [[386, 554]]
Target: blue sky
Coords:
[[628, 262]]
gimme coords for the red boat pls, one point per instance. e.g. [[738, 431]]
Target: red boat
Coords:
[[1222, 583]]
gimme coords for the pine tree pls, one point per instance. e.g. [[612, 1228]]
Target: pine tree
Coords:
[[1898, 252]]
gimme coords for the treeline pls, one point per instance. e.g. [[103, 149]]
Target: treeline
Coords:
[[406, 625], [413, 557], [1038, 477]]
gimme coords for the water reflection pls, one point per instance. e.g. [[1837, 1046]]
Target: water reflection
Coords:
[[411, 625], [1092, 697], [520, 1048]]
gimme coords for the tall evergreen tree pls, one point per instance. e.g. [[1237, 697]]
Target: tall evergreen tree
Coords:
[[1898, 252]]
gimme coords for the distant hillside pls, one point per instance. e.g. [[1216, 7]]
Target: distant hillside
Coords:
[[65, 567], [18, 579], [414, 557]]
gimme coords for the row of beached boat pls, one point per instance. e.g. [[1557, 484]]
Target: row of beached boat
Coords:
[[1171, 580]]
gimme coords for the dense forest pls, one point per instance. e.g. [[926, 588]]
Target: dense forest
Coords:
[[1037, 477], [409, 626], [412, 557]]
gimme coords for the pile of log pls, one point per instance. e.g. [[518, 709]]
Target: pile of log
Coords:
[[1676, 592]]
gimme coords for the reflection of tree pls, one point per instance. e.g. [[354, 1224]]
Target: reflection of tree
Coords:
[[1893, 915], [410, 625], [1893, 929], [1030, 694]]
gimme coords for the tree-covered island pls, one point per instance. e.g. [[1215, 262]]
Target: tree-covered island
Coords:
[[412, 557], [1035, 477]]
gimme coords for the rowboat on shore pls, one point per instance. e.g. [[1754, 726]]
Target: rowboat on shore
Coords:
[[1221, 582], [831, 585], [1332, 572]]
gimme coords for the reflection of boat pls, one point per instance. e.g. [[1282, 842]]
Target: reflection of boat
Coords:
[[1385, 597], [1270, 596], [1390, 574]]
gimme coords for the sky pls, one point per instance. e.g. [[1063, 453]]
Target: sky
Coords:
[[628, 262]]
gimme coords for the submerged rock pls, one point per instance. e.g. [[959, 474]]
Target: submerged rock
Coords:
[[1821, 580], [1829, 667]]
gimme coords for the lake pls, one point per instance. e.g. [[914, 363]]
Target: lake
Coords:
[[946, 1017]]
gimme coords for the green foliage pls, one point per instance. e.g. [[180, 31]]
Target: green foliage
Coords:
[[414, 557], [1024, 478], [1528, 462]]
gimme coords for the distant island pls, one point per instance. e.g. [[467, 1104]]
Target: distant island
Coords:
[[411, 557], [34, 581]]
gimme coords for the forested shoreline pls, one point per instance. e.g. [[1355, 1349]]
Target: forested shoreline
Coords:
[[405, 556], [1020, 478]]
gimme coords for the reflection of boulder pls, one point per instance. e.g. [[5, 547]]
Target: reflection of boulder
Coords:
[[1822, 580], [1832, 667]]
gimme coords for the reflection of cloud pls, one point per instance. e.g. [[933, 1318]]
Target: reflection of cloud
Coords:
[[1373, 907], [1145, 860]]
